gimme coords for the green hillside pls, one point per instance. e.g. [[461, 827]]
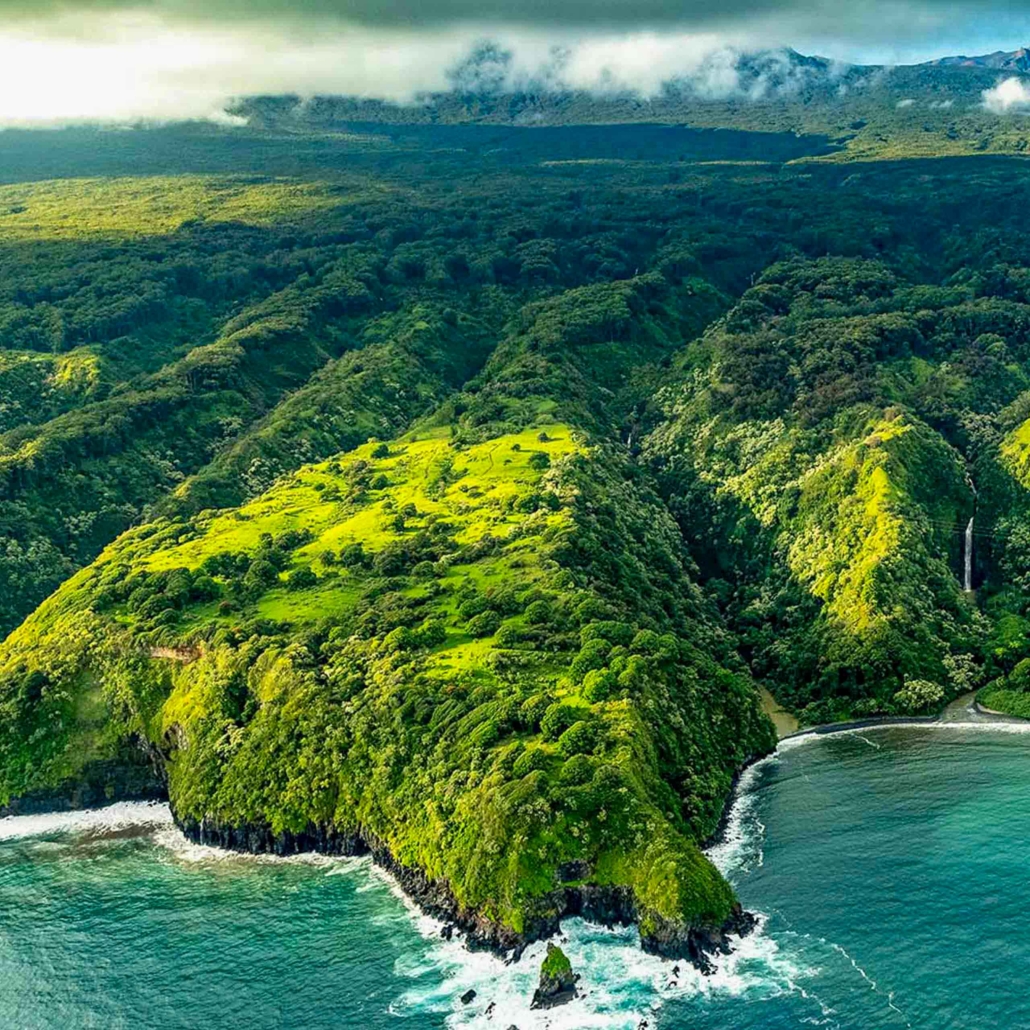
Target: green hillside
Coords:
[[410, 493]]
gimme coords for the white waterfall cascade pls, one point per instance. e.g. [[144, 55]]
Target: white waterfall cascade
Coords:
[[968, 580]]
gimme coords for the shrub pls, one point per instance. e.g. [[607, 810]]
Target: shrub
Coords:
[[919, 696], [400, 639], [472, 606], [486, 624], [1019, 678], [533, 709], [353, 556], [557, 719], [647, 642], [577, 771], [431, 633], [593, 655], [613, 632], [301, 579], [600, 685], [503, 599], [260, 575], [580, 738], [532, 759], [392, 560], [509, 635]]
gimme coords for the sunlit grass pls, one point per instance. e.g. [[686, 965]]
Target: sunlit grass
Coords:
[[154, 205]]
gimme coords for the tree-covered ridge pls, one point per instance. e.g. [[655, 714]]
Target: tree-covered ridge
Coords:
[[157, 340], [490, 658], [788, 105], [643, 442], [839, 428]]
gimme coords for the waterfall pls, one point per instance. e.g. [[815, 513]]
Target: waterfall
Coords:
[[968, 581]]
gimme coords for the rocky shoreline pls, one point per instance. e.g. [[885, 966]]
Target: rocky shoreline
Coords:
[[137, 775], [606, 906], [102, 783]]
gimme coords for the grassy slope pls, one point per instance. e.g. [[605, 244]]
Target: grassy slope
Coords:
[[801, 434], [479, 644], [564, 726], [595, 712]]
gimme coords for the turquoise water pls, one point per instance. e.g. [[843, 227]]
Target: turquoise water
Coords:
[[890, 866]]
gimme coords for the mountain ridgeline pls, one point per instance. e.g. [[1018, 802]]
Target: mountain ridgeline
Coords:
[[454, 509]]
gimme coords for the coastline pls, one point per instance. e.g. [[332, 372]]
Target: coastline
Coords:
[[965, 710], [607, 906], [604, 906]]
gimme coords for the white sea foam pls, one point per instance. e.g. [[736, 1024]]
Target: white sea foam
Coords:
[[620, 987], [740, 845], [182, 849], [1001, 724], [123, 815]]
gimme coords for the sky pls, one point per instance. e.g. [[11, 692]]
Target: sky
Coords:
[[114, 60]]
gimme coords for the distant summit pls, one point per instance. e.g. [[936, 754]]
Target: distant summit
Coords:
[[1012, 61]]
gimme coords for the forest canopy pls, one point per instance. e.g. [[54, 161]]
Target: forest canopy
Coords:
[[454, 501]]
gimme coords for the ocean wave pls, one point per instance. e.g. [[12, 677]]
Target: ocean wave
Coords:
[[739, 848], [179, 847], [122, 815], [621, 986], [806, 737]]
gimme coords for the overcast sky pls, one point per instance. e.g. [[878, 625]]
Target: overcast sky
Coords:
[[63, 60]]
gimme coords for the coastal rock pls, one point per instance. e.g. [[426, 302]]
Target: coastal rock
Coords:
[[468, 997], [606, 906], [135, 773], [557, 980], [697, 944]]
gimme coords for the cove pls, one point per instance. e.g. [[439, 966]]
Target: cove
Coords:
[[888, 864]]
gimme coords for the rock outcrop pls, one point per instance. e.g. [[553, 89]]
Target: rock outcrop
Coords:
[[557, 980], [698, 944]]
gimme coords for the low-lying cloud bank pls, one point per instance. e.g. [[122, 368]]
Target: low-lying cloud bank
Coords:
[[142, 68], [1011, 95], [171, 60]]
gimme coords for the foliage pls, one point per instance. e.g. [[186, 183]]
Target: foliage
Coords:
[[457, 501]]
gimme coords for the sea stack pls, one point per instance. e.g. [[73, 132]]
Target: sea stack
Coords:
[[557, 980]]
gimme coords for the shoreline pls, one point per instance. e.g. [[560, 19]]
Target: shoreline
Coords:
[[951, 715], [609, 906], [603, 906], [964, 705]]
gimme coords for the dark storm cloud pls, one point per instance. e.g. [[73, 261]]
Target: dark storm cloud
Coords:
[[864, 19]]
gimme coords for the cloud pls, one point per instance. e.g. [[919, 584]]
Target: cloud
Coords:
[[139, 67], [864, 17], [144, 69], [1011, 95], [117, 60]]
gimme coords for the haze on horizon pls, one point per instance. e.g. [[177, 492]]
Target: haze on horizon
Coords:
[[109, 61]]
